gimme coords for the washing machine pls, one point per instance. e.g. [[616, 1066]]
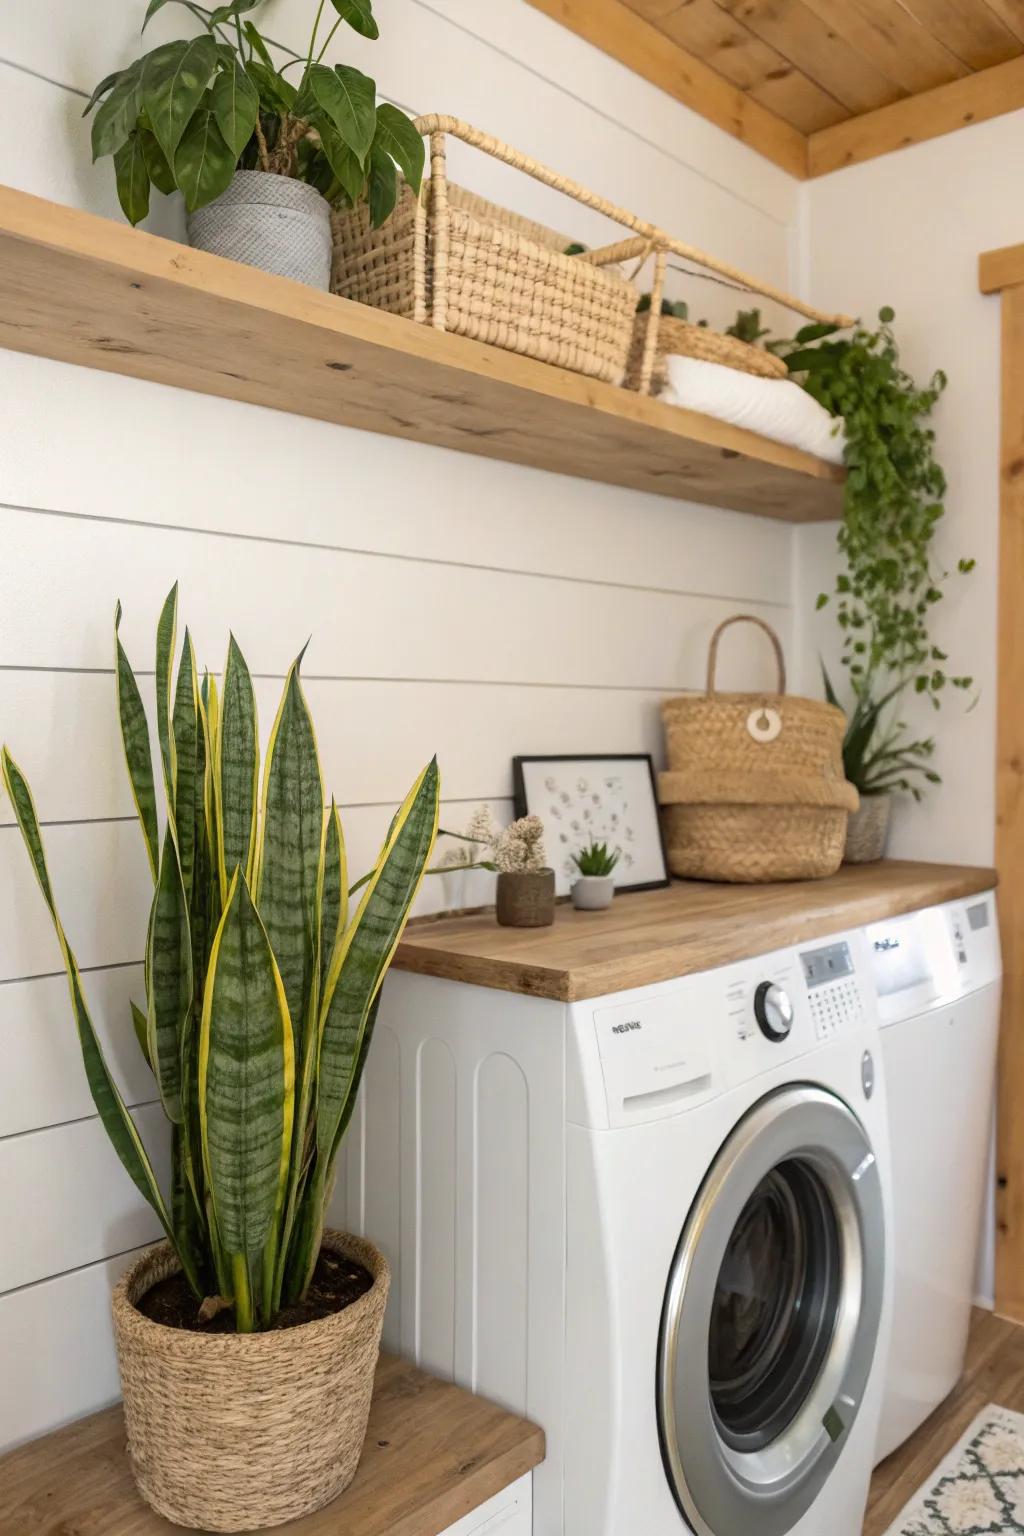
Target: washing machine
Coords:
[[937, 978], [657, 1223]]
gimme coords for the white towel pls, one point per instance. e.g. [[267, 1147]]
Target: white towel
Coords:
[[777, 408]]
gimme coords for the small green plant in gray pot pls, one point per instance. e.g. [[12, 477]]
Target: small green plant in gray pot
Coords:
[[258, 153], [594, 887], [526, 886]]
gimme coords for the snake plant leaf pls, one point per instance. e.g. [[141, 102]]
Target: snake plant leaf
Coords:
[[290, 843], [135, 740], [246, 1078], [236, 105], [119, 113], [383, 187], [399, 138], [170, 978], [160, 173], [361, 960], [141, 1031], [172, 88], [203, 163], [237, 770], [359, 15], [185, 735], [334, 902], [132, 178], [166, 637], [348, 98], [117, 1122]]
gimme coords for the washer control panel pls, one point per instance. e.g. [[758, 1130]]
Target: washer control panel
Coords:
[[833, 992]]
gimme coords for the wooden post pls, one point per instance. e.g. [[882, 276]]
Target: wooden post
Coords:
[[1003, 272]]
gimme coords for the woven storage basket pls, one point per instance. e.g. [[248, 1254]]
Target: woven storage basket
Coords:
[[755, 788], [678, 338], [506, 281], [235, 1432]]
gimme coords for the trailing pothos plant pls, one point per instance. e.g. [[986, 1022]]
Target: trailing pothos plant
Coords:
[[886, 593], [262, 985], [189, 114]]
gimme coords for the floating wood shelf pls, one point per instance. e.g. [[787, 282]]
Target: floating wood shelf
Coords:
[[88, 290], [433, 1453]]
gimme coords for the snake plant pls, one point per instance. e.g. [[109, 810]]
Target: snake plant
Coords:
[[261, 985]]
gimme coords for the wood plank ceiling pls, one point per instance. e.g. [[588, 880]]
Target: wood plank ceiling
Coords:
[[819, 84]]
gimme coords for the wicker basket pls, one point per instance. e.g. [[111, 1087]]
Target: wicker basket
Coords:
[[755, 788], [506, 281], [678, 338], [235, 1432]]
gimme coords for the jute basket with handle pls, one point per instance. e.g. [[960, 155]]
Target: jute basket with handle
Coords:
[[236, 1432], [678, 338], [755, 788]]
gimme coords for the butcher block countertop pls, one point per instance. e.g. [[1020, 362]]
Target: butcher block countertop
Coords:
[[433, 1453], [688, 926]]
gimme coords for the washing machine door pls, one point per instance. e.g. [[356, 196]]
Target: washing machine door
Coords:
[[771, 1316]]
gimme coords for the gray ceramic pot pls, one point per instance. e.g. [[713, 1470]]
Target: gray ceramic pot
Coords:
[[867, 830], [526, 899], [592, 893], [271, 222]]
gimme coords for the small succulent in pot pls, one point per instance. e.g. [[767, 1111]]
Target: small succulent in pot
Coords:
[[526, 886], [213, 116], [594, 888]]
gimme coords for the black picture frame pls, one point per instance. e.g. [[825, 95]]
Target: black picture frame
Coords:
[[522, 807]]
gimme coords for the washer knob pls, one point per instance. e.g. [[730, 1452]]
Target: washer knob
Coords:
[[773, 1010]]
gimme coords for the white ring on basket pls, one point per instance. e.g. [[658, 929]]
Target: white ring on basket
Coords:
[[764, 724]]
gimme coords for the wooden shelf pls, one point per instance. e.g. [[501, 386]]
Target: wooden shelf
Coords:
[[688, 926], [87, 290], [433, 1453]]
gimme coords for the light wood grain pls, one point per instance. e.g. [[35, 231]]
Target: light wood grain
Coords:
[[1010, 816], [893, 40], [1001, 269], [653, 936], [975, 99], [969, 28], [611, 26], [433, 1453], [813, 46], [87, 290], [993, 1373]]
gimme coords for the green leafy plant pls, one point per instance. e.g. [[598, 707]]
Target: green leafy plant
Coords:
[[879, 754], [595, 859], [261, 986], [189, 114], [677, 308], [747, 327]]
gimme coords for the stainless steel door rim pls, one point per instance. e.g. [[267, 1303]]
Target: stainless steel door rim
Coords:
[[797, 1172]]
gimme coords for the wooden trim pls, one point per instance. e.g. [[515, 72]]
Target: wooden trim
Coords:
[[987, 94], [1001, 269], [627, 37], [1010, 815]]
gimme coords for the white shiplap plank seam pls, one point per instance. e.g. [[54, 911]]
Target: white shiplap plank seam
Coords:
[[390, 555], [434, 682], [75, 1269], [83, 970], [58, 1125], [350, 805]]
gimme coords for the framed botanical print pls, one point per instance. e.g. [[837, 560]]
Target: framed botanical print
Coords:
[[593, 798]]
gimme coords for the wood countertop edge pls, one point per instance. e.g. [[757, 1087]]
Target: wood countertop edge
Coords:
[[635, 965]]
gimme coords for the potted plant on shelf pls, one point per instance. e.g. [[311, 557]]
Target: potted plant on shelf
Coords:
[[247, 1341], [258, 155], [594, 887], [526, 886], [888, 587]]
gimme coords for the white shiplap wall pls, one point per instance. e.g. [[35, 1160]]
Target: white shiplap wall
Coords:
[[456, 605]]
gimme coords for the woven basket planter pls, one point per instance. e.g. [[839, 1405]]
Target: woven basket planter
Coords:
[[868, 831], [678, 338], [755, 788], [504, 281], [526, 898], [236, 1432], [272, 222]]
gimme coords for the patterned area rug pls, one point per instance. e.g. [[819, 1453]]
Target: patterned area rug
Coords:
[[978, 1490]]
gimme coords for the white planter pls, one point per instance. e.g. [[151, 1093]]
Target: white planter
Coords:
[[592, 893], [271, 222]]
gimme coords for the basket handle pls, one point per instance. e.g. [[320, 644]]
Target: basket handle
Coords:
[[744, 618]]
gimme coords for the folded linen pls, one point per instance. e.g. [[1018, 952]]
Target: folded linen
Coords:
[[776, 408]]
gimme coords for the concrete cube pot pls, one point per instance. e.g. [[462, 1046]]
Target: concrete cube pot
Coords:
[[867, 831], [526, 899], [272, 222], [237, 1432], [592, 893]]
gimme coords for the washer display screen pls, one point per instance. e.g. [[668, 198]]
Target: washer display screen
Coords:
[[826, 964]]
